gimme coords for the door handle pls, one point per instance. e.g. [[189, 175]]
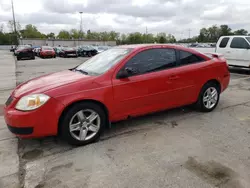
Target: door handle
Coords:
[[173, 77]]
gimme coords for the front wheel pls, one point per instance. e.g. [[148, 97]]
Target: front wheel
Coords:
[[209, 97], [83, 123]]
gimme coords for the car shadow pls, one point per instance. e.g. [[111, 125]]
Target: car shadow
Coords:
[[238, 70], [32, 149]]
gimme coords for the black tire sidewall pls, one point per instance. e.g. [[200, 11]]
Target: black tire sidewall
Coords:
[[200, 105], [64, 126]]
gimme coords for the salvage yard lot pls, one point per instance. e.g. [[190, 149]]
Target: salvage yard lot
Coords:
[[175, 148]]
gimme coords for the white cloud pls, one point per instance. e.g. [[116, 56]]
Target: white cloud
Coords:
[[171, 16]]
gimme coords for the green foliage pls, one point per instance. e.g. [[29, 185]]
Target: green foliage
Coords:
[[30, 31], [241, 32], [63, 34], [210, 34]]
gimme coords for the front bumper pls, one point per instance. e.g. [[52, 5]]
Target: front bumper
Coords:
[[33, 124], [21, 130]]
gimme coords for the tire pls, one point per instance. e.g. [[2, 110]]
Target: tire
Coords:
[[89, 54], [18, 58], [54, 56], [206, 97], [71, 117]]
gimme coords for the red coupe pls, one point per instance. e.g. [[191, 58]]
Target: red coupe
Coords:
[[47, 51], [122, 82]]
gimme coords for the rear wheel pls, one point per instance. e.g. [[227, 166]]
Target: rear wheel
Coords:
[[83, 123], [209, 97], [89, 54]]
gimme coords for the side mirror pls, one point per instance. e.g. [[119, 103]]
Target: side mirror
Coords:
[[122, 74], [128, 71]]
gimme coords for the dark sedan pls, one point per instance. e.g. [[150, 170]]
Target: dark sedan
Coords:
[[24, 52], [86, 51], [68, 52]]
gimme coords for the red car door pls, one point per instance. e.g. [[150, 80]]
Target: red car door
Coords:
[[187, 78], [147, 88]]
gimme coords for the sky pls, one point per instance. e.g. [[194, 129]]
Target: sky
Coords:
[[177, 17]]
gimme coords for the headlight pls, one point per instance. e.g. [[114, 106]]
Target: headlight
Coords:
[[32, 102]]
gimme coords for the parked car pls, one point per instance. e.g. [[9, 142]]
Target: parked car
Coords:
[[101, 49], [37, 51], [87, 51], [19, 47], [47, 51], [122, 82], [236, 50], [68, 52], [24, 52], [12, 48], [57, 50]]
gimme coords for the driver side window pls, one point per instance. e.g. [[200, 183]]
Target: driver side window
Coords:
[[152, 60]]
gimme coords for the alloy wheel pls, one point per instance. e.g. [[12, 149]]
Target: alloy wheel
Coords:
[[84, 125], [210, 97]]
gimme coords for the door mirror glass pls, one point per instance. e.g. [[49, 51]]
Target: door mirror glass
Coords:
[[128, 71], [122, 74]]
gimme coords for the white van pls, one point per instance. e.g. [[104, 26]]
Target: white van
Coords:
[[236, 49]]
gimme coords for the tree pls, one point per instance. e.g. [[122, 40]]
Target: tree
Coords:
[[11, 26], [170, 38], [31, 31], [161, 38], [225, 30], [134, 38], [114, 35], [241, 32], [148, 38], [51, 35], [74, 33], [63, 34]]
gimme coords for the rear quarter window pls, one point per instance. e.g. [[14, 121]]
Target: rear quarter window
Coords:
[[187, 58], [224, 42]]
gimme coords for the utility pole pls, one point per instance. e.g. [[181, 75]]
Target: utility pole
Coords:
[[80, 34], [14, 22], [146, 34]]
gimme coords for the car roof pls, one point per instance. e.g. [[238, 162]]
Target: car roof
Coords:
[[138, 46], [174, 46], [235, 36]]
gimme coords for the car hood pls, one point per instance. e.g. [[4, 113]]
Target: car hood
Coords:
[[48, 82]]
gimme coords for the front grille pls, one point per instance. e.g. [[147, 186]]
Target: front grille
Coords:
[[9, 101]]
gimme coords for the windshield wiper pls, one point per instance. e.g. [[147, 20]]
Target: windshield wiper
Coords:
[[81, 71]]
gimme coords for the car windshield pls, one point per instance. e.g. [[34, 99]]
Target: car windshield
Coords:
[[47, 48], [101, 63]]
